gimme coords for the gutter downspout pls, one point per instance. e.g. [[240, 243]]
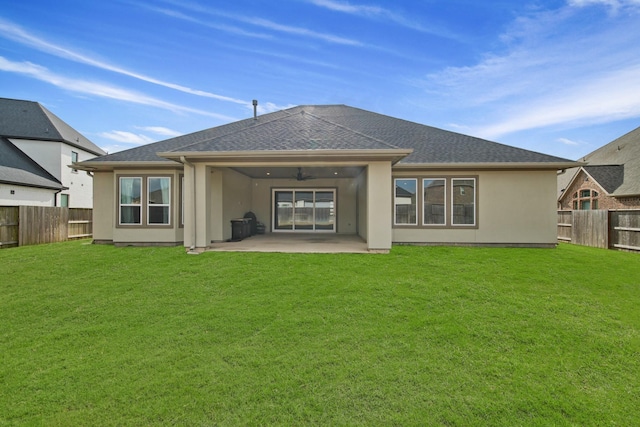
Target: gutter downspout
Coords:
[[55, 197], [192, 248]]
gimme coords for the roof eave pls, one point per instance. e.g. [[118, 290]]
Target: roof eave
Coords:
[[92, 166], [491, 165], [45, 187], [394, 155]]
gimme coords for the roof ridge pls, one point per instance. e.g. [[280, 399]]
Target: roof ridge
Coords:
[[43, 111], [353, 130], [234, 131], [64, 129]]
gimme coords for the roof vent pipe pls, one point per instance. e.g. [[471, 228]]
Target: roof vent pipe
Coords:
[[255, 109]]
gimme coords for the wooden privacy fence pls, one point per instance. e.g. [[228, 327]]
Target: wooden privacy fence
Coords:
[[33, 225], [614, 229]]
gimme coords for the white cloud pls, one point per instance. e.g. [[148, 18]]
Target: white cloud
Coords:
[[612, 97], [567, 141], [127, 137], [270, 25], [159, 130], [207, 23], [300, 31], [378, 12], [15, 33], [559, 68], [350, 8], [614, 5], [270, 107], [97, 89]]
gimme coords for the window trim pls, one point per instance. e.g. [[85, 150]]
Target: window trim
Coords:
[[475, 201], [74, 161], [144, 201], [448, 202], [444, 203], [158, 205], [395, 210], [295, 190], [138, 205], [585, 195]]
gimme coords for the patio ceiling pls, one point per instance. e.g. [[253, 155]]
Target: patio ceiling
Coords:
[[311, 172]]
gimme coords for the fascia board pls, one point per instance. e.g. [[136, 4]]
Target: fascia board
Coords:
[[391, 154], [490, 166]]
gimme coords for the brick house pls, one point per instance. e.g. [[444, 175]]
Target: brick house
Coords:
[[609, 180]]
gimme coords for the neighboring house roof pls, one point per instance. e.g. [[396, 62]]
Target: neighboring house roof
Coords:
[[615, 166], [29, 120], [337, 128], [609, 177], [18, 169]]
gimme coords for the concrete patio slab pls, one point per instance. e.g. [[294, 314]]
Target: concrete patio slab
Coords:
[[295, 243]]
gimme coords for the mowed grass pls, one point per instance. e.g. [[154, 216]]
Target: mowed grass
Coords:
[[97, 335]]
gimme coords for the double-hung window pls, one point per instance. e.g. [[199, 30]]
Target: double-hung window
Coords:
[[445, 202], [406, 201], [130, 200], [434, 201], [159, 197], [463, 201], [144, 201]]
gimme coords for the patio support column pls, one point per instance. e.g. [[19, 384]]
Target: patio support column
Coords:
[[217, 226], [202, 206], [189, 206], [379, 206]]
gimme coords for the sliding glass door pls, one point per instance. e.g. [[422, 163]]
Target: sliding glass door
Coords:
[[304, 210]]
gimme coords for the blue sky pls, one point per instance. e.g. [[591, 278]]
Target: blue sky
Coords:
[[556, 76]]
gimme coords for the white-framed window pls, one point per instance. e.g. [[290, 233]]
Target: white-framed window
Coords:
[[144, 201], [74, 159], [463, 201], [405, 201], [159, 200], [434, 203], [130, 210]]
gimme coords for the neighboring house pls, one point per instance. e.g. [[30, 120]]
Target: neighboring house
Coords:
[[36, 150], [327, 169], [609, 180]]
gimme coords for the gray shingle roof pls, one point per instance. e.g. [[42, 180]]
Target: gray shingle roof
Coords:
[[337, 127], [29, 120], [610, 177], [430, 144], [18, 168], [623, 151]]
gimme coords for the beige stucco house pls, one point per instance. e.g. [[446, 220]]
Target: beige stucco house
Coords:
[[327, 169]]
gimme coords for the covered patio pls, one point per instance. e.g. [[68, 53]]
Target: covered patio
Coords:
[[295, 243]]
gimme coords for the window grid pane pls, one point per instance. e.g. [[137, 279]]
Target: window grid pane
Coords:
[[463, 198], [405, 202], [130, 200], [159, 200], [434, 201]]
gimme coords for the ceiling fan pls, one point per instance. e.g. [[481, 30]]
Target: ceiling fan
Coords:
[[302, 177]]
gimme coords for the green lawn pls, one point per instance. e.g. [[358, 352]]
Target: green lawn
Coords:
[[97, 335]]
